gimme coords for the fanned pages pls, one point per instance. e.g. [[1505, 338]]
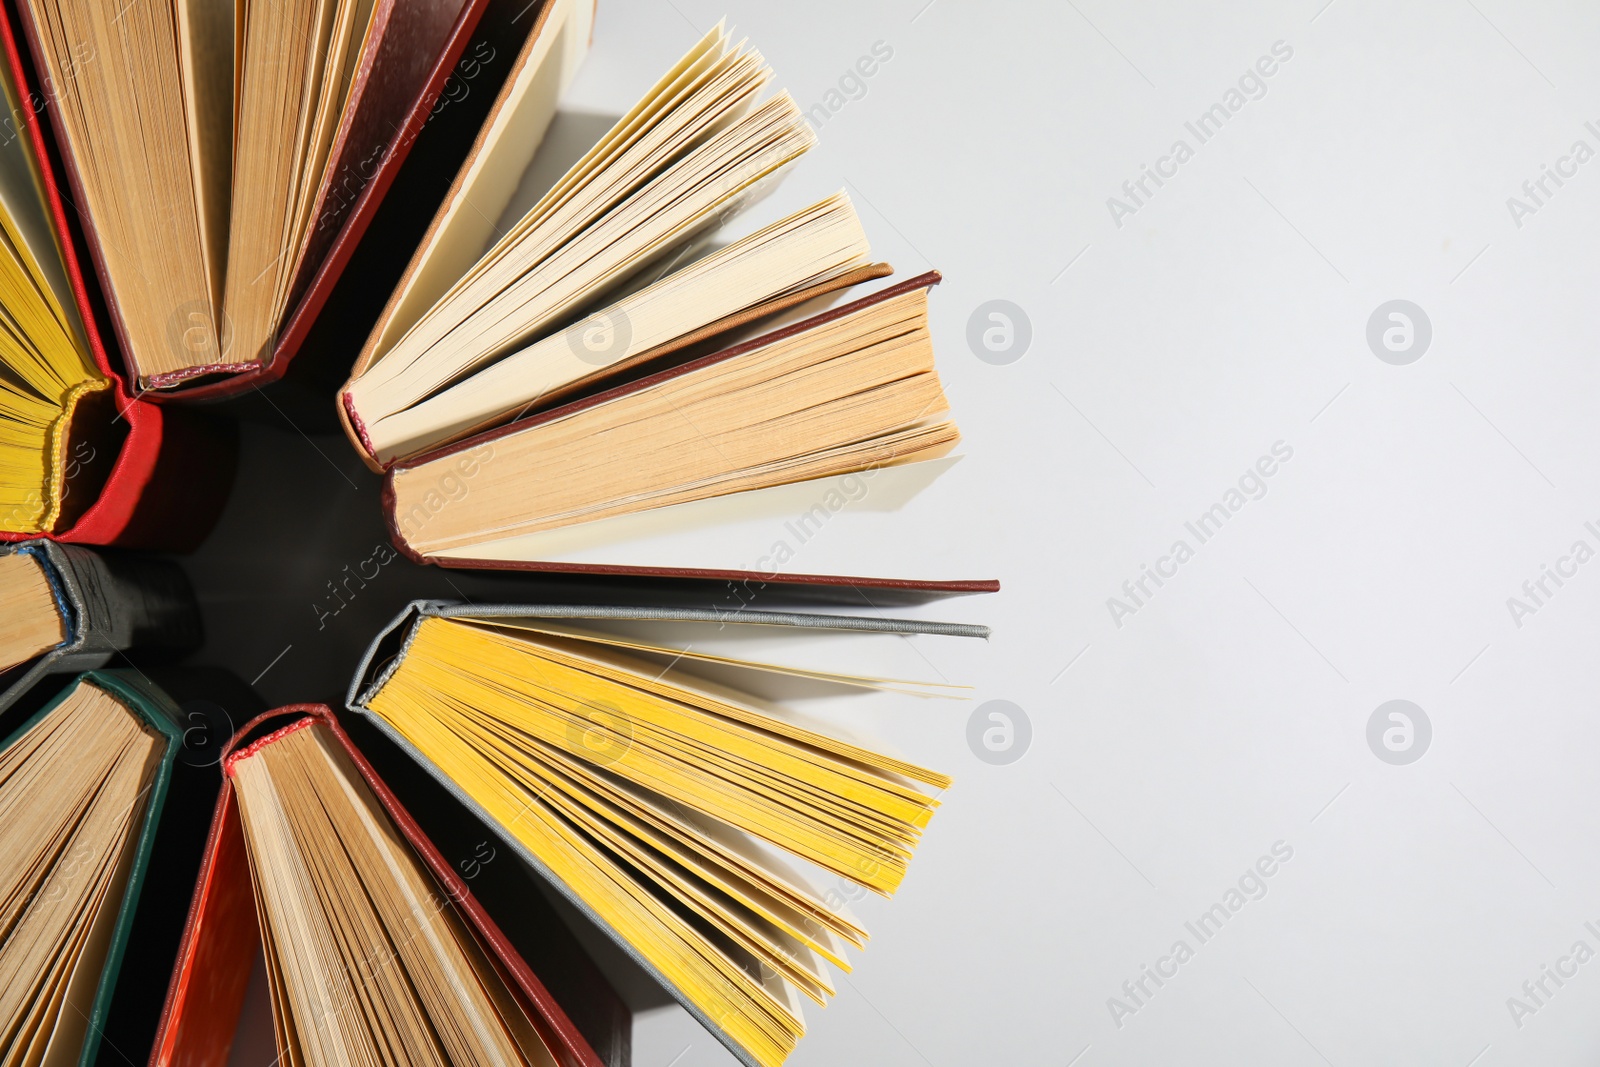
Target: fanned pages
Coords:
[[47, 370], [376, 947], [299, 60], [73, 792], [663, 804], [80, 460], [852, 391], [212, 145], [131, 141], [338, 887], [466, 222], [696, 149], [146, 144], [811, 248], [31, 622]]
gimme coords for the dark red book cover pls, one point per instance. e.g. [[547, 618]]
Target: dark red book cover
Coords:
[[424, 58], [751, 579]]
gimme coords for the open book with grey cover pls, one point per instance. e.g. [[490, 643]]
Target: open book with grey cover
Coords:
[[621, 753]]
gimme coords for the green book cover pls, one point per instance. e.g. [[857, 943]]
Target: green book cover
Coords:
[[157, 711]]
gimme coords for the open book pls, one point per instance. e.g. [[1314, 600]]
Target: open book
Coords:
[[680, 814], [79, 459], [579, 387], [96, 832], [226, 157], [739, 456], [487, 325], [375, 950]]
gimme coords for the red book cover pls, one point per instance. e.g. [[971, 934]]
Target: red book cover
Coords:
[[171, 470], [222, 938]]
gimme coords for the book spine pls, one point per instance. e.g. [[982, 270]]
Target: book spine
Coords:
[[170, 483], [355, 429], [122, 602]]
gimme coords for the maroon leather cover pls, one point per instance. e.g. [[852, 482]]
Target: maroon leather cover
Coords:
[[922, 281], [407, 43], [751, 580], [389, 80], [221, 939]]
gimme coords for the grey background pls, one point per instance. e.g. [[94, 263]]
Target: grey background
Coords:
[[1230, 711]]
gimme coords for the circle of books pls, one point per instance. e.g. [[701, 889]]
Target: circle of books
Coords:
[[578, 390]]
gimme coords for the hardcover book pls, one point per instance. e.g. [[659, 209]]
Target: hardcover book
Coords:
[[69, 609], [825, 421], [80, 459], [97, 827], [485, 326], [375, 949], [679, 814], [226, 160], [589, 366]]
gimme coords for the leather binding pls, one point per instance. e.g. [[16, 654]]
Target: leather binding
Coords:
[[389, 647], [145, 937], [109, 603], [222, 938], [172, 469], [750, 580], [414, 49]]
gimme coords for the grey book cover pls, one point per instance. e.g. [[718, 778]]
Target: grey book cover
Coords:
[[383, 656], [110, 602]]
